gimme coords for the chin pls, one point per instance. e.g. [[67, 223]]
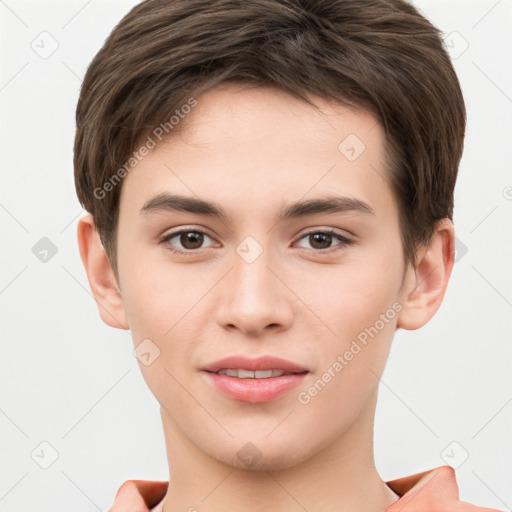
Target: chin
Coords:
[[259, 456]]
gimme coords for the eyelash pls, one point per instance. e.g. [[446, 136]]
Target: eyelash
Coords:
[[342, 239]]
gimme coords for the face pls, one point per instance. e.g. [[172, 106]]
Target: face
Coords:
[[319, 288]]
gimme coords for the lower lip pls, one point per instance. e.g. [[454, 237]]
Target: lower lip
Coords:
[[254, 391]]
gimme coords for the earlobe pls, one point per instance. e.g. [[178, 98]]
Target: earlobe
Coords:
[[100, 275], [426, 284]]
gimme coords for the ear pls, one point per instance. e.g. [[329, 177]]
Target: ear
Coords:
[[426, 283], [100, 275]]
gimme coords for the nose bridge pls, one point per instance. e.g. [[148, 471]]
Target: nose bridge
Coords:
[[253, 296], [252, 277]]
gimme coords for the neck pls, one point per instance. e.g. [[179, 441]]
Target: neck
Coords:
[[340, 476]]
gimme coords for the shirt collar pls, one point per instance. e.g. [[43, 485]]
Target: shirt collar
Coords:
[[432, 490]]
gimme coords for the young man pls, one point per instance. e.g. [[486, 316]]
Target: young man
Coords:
[[270, 196]]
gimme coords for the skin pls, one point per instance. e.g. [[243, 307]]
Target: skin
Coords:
[[250, 149]]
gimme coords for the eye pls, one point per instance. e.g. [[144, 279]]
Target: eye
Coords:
[[190, 239], [321, 240], [193, 239]]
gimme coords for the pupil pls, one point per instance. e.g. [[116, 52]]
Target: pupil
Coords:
[[327, 238], [191, 237]]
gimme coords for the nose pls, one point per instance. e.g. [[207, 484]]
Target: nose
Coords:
[[254, 296]]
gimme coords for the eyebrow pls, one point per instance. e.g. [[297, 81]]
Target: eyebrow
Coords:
[[165, 202]]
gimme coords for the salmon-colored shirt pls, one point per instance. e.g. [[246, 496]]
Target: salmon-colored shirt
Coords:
[[434, 490]]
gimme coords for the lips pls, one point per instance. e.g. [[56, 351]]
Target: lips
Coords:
[[261, 363]]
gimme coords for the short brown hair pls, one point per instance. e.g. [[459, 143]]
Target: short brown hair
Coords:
[[379, 55]]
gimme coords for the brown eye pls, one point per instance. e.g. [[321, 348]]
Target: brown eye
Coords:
[[189, 239], [321, 241]]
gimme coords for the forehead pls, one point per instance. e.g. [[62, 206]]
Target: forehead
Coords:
[[266, 116], [267, 147]]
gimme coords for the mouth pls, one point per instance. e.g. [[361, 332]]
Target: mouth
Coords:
[[254, 380], [242, 373], [253, 367]]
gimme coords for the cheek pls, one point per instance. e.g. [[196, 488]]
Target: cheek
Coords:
[[353, 361], [354, 294], [152, 291], [359, 304], [165, 303]]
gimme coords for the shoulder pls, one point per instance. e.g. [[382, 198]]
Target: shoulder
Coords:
[[432, 490], [429, 491], [139, 495]]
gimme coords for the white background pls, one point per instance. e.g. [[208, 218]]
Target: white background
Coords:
[[71, 381]]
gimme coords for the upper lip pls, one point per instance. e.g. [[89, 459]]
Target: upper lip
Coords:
[[260, 363]]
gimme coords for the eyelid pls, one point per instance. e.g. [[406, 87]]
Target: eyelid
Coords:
[[342, 239], [167, 237], [333, 231]]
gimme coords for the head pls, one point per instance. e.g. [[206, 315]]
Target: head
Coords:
[[252, 109]]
